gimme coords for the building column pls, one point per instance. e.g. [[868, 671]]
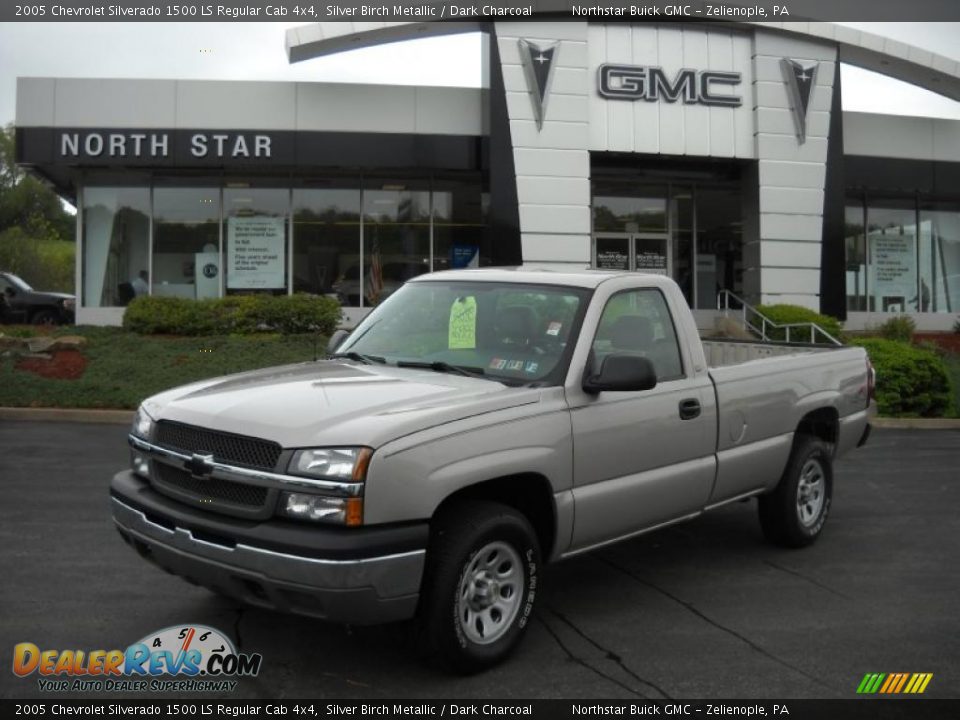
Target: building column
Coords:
[[552, 163], [782, 249]]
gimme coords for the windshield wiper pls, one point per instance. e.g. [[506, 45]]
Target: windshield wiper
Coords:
[[444, 367], [365, 359]]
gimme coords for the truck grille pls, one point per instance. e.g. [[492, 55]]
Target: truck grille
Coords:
[[209, 492], [225, 447]]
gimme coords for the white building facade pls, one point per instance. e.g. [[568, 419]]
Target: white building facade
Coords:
[[715, 153]]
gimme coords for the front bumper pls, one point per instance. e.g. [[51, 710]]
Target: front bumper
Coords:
[[353, 575]]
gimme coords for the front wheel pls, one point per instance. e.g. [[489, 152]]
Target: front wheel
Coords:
[[45, 317], [480, 586], [794, 514]]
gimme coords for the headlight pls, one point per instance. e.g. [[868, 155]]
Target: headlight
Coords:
[[346, 465], [142, 424], [305, 506], [69, 304], [338, 464]]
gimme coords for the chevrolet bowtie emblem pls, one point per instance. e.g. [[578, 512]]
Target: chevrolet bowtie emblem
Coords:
[[199, 466]]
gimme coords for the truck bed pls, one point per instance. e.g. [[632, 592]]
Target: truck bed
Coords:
[[726, 352]]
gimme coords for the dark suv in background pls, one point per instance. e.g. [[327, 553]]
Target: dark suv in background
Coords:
[[21, 303]]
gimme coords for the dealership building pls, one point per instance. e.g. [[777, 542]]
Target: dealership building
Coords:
[[717, 153]]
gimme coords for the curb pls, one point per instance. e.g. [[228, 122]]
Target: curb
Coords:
[[916, 423], [111, 417]]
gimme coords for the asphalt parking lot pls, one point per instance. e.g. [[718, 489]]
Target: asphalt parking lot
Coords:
[[700, 610]]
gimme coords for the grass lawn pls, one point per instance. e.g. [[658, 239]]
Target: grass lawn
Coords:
[[123, 368]]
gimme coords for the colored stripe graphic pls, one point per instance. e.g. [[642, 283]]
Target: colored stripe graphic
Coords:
[[894, 683]]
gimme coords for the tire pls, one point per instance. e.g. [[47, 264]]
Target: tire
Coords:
[[45, 317], [479, 587], [793, 515]]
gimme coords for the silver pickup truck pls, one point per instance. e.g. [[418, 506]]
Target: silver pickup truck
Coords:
[[477, 424]]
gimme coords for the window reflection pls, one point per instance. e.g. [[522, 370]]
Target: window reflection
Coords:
[[326, 229], [116, 232], [186, 232], [396, 240]]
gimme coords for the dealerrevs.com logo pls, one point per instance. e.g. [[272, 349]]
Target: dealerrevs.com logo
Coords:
[[201, 658]]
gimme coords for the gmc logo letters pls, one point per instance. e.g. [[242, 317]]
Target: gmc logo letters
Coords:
[[635, 82]]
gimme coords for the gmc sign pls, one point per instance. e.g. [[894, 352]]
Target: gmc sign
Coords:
[[635, 82]]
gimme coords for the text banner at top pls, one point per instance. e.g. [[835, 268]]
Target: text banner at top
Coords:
[[482, 11]]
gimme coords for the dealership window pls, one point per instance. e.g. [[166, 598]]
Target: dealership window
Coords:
[[855, 244], [186, 242], [940, 256], [254, 239], [326, 238], [719, 257], [396, 238], [901, 255], [116, 236], [459, 222], [891, 238]]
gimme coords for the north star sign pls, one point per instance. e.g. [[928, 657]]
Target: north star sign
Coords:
[[128, 145], [636, 82]]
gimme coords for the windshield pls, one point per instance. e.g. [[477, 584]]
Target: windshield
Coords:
[[513, 333], [16, 282]]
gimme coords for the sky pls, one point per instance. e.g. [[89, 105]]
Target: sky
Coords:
[[255, 51]]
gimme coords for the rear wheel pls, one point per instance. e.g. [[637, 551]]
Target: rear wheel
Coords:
[[480, 586], [794, 514]]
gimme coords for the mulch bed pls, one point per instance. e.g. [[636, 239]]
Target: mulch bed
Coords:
[[64, 365], [945, 341]]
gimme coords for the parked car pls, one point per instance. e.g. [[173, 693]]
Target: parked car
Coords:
[[476, 424], [21, 303]]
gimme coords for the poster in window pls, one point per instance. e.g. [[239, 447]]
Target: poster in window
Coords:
[[255, 253], [651, 255], [893, 270]]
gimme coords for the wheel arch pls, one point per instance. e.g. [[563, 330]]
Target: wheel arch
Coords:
[[528, 493], [822, 423]]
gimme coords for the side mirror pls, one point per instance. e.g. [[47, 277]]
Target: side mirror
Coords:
[[336, 340], [10, 292], [621, 372]]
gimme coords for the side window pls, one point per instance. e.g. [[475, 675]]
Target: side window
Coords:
[[638, 321]]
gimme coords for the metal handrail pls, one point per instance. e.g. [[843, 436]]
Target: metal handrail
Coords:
[[749, 312]]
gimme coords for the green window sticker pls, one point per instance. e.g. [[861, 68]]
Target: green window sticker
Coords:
[[463, 324]]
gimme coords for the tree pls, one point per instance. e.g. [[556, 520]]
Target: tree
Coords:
[[36, 233], [25, 202]]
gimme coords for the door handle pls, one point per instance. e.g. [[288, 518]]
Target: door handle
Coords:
[[689, 409]]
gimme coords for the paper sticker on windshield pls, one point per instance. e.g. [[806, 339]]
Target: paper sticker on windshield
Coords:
[[554, 328], [515, 365], [497, 363], [532, 367], [463, 324]]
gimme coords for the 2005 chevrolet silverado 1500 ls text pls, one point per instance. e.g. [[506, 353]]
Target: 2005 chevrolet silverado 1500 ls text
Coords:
[[476, 424]]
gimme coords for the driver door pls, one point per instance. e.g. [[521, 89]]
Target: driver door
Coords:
[[641, 458]]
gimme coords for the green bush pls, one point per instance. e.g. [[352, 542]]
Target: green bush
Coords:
[[899, 328], [911, 381], [789, 314], [233, 315]]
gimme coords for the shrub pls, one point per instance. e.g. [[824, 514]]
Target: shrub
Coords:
[[236, 314], [899, 328], [789, 314], [911, 381]]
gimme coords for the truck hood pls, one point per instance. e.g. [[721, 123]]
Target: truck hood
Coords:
[[334, 403]]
